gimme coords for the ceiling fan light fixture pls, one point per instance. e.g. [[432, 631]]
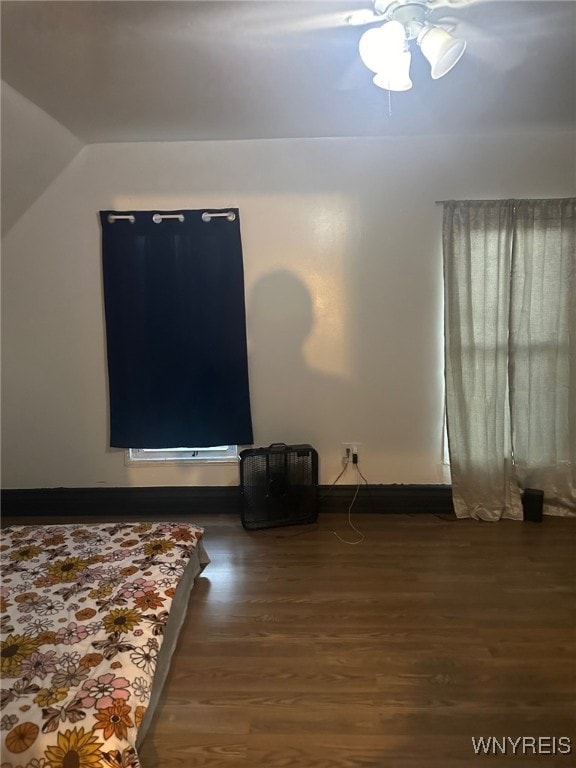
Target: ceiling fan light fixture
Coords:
[[379, 46], [395, 76], [441, 49]]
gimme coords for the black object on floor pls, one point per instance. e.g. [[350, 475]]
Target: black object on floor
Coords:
[[533, 504], [279, 486]]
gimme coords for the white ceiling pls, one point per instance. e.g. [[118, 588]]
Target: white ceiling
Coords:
[[233, 69]]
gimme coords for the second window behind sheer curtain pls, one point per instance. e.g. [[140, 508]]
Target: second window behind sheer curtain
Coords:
[[543, 349], [510, 351]]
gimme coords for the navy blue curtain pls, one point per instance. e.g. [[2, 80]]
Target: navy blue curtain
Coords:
[[175, 329]]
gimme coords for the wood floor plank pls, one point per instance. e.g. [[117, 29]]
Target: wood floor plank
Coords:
[[299, 651]]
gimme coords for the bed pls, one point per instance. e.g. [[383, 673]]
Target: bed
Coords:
[[90, 616]]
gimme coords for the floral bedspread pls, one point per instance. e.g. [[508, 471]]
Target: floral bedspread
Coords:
[[83, 611]]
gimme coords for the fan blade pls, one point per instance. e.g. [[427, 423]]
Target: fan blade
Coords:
[[502, 34], [299, 22], [459, 5], [364, 17]]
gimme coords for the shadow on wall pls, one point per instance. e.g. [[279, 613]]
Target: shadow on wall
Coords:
[[292, 401]]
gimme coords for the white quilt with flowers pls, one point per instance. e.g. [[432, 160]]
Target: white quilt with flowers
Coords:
[[83, 613]]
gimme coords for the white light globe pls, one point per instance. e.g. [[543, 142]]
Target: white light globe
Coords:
[[378, 45], [396, 75], [441, 49]]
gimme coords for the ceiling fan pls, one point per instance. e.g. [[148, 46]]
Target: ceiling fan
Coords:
[[383, 8], [386, 49], [439, 30], [491, 37]]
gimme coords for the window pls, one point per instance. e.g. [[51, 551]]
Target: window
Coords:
[[508, 268], [221, 453], [175, 330]]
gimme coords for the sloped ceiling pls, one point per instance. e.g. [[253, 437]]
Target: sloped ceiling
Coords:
[[76, 72], [35, 149], [238, 69]]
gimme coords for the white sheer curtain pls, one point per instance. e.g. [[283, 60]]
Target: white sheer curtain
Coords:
[[510, 343]]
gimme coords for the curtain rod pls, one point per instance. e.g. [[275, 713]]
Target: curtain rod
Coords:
[[502, 200], [496, 200], [112, 218], [158, 218], [228, 215]]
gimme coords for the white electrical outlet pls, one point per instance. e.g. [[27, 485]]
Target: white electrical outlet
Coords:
[[349, 449]]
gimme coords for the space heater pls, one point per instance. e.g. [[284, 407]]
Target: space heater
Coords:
[[279, 486]]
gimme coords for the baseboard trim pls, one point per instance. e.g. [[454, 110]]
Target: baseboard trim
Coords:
[[172, 500], [388, 499], [184, 500]]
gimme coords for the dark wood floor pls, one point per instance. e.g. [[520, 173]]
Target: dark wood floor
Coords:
[[301, 651]]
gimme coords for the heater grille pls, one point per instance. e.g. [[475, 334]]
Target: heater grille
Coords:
[[279, 485]]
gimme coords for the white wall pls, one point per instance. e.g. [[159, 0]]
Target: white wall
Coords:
[[35, 149], [343, 275]]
